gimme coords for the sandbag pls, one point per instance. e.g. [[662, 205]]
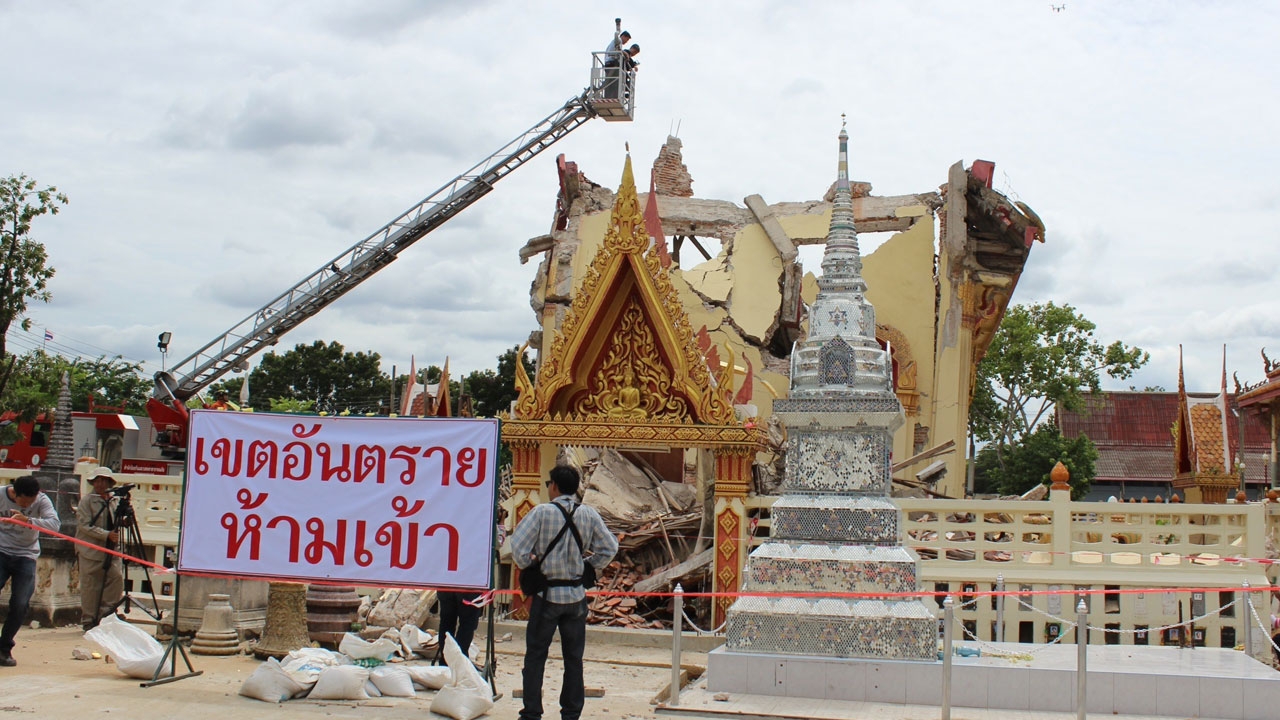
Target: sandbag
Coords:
[[467, 695], [270, 683], [392, 680], [370, 689], [357, 648], [304, 665], [464, 672], [136, 653], [341, 682], [429, 677], [415, 641], [460, 703]]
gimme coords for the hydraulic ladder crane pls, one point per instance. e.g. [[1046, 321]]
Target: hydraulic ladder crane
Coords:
[[611, 95]]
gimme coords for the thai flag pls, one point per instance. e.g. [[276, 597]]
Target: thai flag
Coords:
[[48, 336]]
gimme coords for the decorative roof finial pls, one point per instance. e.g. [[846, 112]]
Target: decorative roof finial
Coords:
[[842, 262], [840, 356]]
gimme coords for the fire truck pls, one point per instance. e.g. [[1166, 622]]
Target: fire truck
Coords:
[[611, 95], [115, 439]]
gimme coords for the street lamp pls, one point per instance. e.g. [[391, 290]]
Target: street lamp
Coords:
[[162, 342]]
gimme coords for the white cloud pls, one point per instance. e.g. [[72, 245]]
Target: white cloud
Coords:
[[215, 153]]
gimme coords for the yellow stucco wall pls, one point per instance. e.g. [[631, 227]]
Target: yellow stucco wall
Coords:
[[591, 229], [806, 226], [899, 278], [756, 269], [950, 408]]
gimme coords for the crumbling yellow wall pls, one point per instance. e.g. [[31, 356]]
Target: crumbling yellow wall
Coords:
[[738, 293], [953, 371], [900, 286], [756, 296]]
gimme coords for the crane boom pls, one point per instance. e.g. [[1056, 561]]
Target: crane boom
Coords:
[[359, 262], [611, 95]]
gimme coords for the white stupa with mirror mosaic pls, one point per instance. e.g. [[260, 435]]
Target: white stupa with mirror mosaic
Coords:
[[834, 529]]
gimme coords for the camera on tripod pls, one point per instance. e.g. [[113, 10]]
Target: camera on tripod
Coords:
[[123, 490], [124, 508]]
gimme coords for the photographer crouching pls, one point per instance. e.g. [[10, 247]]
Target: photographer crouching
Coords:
[[101, 576]]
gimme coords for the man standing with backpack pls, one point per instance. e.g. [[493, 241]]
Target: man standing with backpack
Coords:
[[562, 539]]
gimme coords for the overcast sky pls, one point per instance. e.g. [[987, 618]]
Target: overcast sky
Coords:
[[215, 153]]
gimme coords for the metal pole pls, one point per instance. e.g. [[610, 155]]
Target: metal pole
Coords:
[[948, 620], [1000, 609], [1244, 487], [677, 624], [1248, 619], [1082, 659]]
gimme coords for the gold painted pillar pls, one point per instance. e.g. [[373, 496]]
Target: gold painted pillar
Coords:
[[526, 493], [733, 477]]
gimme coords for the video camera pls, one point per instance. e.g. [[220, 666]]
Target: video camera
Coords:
[[123, 490]]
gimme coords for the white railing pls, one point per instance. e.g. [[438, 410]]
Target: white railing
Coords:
[[993, 536]]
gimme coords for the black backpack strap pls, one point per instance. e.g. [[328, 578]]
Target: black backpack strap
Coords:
[[568, 525], [573, 527], [94, 521], [560, 534]]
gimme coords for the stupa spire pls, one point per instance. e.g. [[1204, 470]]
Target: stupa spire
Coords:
[[839, 356], [842, 260]]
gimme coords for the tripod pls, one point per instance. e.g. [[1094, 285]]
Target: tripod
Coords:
[[129, 542]]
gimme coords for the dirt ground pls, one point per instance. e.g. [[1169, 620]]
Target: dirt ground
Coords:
[[49, 683]]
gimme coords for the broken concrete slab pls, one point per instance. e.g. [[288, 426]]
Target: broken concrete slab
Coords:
[[620, 491], [397, 607], [764, 214]]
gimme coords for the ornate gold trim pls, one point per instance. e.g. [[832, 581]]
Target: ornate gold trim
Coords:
[[623, 270], [580, 431], [906, 388]]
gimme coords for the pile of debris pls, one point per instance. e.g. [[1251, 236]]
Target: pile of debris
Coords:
[[661, 535]]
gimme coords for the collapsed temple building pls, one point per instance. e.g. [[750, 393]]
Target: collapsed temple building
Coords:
[[940, 283], [667, 358]]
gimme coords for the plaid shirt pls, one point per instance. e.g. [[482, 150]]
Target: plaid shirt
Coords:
[[536, 531]]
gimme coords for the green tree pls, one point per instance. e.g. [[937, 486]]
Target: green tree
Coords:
[[492, 392], [325, 374], [286, 405], [1043, 356], [37, 379], [113, 382], [1027, 464], [24, 273]]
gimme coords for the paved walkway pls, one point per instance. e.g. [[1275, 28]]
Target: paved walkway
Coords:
[[48, 683], [698, 702]]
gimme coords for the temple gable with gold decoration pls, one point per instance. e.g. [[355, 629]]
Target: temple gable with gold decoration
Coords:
[[624, 370]]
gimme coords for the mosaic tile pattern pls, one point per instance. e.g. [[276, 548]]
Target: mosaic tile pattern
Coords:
[[836, 363], [836, 518], [838, 462], [834, 529], [833, 628], [819, 568], [837, 367], [836, 406]]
